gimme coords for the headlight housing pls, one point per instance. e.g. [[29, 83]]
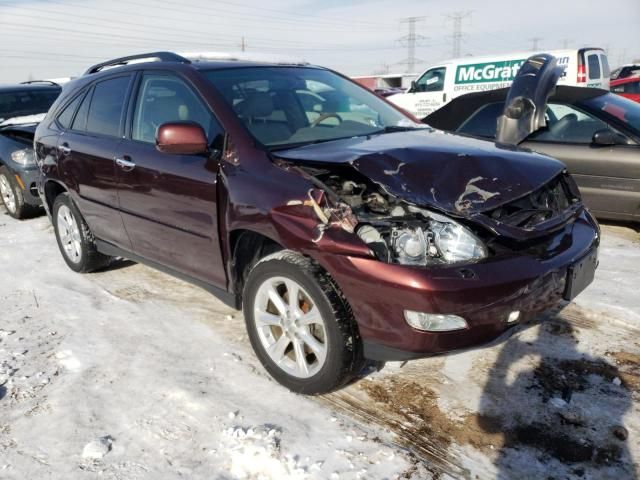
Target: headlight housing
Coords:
[[456, 243], [24, 157], [436, 240]]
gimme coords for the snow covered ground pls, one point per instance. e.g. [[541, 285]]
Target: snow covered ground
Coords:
[[129, 374]]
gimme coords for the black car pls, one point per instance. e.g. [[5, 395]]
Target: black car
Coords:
[[594, 132], [21, 109]]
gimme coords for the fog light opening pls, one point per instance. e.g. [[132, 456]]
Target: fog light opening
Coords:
[[434, 322], [513, 316]]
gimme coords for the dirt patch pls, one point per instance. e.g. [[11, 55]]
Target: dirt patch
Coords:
[[629, 369], [559, 328], [626, 359], [564, 447], [418, 406], [563, 377], [576, 316], [133, 294], [411, 410]]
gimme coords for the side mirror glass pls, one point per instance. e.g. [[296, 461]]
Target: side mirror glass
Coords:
[[608, 137], [182, 138]]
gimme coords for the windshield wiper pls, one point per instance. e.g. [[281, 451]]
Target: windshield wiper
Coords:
[[398, 128], [288, 146]]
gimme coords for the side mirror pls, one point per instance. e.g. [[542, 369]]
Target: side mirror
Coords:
[[412, 89], [182, 138], [608, 137]]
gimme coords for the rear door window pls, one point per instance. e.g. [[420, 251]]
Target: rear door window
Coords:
[[107, 105], [593, 61]]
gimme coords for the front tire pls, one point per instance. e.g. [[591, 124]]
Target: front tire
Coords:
[[12, 197], [299, 324], [75, 240]]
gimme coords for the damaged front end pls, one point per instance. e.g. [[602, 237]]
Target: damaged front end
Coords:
[[394, 230]]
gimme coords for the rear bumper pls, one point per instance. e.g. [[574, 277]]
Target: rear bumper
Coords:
[[484, 294]]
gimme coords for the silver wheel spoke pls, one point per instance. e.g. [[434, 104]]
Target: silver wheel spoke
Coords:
[[294, 293], [301, 360], [267, 319], [312, 343], [311, 317], [277, 349], [277, 301], [77, 248]]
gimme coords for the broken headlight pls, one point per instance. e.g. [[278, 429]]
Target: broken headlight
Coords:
[[437, 240], [24, 157]]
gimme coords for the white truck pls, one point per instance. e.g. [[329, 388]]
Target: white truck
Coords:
[[439, 84]]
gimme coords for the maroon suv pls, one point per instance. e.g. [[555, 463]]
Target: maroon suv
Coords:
[[345, 229]]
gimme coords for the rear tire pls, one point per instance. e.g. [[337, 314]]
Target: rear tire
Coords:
[[75, 240], [12, 197], [311, 345]]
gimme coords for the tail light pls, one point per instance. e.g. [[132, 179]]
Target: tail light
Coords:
[[582, 73]]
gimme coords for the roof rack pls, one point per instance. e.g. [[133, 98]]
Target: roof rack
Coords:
[[154, 56], [50, 82]]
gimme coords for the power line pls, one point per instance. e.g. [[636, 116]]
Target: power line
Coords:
[[456, 36], [410, 40], [188, 34], [348, 23]]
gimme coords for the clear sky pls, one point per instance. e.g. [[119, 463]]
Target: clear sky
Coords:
[[53, 38]]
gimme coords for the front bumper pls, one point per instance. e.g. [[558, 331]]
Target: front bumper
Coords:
[[28, 181], [483, 294]]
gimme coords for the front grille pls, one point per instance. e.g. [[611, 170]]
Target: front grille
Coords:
[[547, 202]]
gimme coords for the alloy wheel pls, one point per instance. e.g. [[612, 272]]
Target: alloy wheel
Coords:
[[8, 197], [290, 327], [69, 233]]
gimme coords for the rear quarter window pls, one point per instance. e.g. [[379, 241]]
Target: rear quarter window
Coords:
[[593, 61], [606, 72], [66, 116]]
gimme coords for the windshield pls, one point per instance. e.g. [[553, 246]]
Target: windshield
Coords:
[[283, 106], [617, 108], [26, 102]]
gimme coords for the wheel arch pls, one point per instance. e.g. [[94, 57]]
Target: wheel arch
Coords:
[[52, 189], [247, 247]]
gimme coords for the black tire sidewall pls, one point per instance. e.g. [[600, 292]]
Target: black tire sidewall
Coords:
[[65, 199], [331, 374]]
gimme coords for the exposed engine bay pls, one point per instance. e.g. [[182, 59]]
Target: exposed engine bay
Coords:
[[396, 231]]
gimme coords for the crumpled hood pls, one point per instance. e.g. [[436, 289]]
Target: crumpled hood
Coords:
[[456, 174]]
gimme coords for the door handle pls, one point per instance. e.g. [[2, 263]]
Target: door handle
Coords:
[[125, 164], [64, 148]]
